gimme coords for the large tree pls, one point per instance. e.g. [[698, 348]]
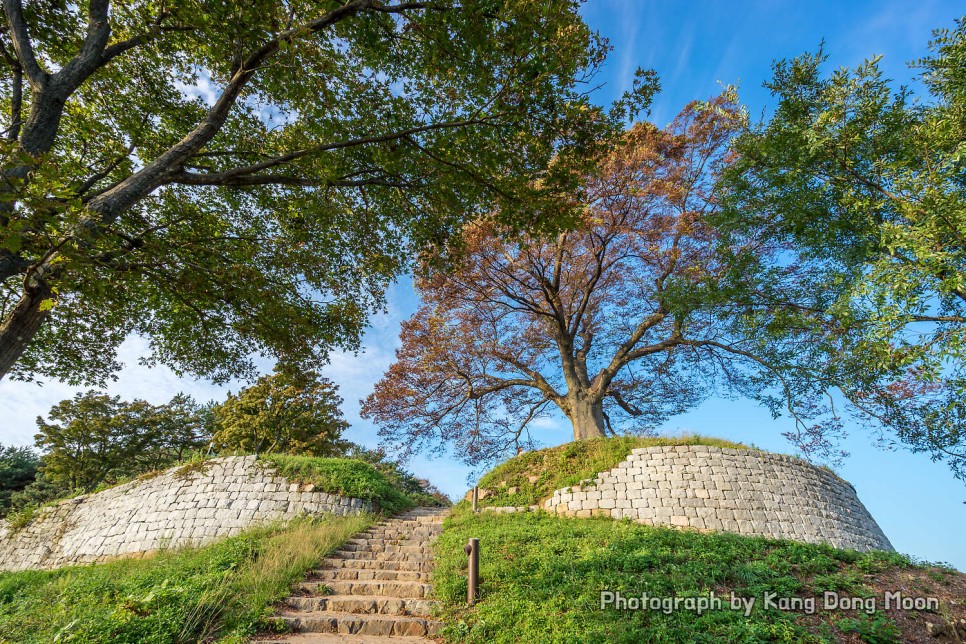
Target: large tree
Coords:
[[865, 189], [617, 323], [94, 438], [226, 178], [285, 412]]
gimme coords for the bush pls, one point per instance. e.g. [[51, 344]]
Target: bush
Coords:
[[18, 469], [343, 476], [420, 490]]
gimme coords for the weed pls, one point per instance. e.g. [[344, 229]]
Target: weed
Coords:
[[875, 629]]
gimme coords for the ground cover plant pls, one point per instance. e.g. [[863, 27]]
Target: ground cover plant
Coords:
[[346, 477], [223, 592], [533, 476], [541, 579]]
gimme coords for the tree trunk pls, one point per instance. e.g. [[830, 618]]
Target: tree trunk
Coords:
[[20, 326], [587, 417]]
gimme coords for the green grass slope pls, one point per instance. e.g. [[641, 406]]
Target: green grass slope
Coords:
[[542, 577], [222, 592], [536, 475], [348, 477]]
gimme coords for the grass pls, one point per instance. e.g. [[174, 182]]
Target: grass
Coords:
[[541, 578], [343, 476], [222, 592], [567, 465], [21, 517]]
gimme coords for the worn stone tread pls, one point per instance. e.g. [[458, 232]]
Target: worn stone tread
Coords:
[[361, 623], [333, 638], [368, 574], [374, 564], [407, 589], [370, 604], [372, 589]]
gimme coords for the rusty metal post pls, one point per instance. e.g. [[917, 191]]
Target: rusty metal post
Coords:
[[476, 497], [472, 550]]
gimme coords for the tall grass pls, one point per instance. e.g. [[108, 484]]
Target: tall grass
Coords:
[[289, 554], [222, 592]]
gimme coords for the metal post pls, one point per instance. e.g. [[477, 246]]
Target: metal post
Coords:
[[476, 497], [472, 550]]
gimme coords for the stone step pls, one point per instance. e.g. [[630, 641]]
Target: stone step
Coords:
[[362, 574], [399, 534], [362, 604], [382, 556], [334, 638], [379, 546], [374, 589], [402, 589], [421, 527], [360, 624], [390, 541], [425, 512], [373, 564]]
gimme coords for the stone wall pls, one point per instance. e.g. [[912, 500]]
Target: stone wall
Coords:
[[734, 490], [178, 507]]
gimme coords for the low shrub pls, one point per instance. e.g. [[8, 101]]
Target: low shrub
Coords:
[[343, 476]]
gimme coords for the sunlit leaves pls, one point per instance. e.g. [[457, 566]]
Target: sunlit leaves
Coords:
[[402, 125], [864, 187], [283, 413]]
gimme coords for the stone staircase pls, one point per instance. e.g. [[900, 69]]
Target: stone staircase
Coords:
[[374, 589]]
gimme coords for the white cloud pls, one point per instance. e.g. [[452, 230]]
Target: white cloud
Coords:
[[22, 402], [356, 374]]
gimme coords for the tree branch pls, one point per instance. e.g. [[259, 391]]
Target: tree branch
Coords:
[[88, 59], [20, 36], [16, 93], [626, 406], [118, 48], [218, 178], [119, 198], [196, 179], [474, 393], [477, 178]]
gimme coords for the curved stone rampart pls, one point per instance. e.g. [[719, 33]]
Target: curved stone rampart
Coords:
[[182, 506], [734, 490]]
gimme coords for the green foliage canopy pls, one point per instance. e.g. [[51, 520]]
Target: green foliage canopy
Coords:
[[231, 178], [863, 191], [93, 439], [285, 412], [18, 469]]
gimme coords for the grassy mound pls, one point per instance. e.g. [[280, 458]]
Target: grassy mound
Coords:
[[535, 475], [222, 592], [346, 477], [542, 577]]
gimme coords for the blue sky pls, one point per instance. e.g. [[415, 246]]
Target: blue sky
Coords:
[[695, 47]]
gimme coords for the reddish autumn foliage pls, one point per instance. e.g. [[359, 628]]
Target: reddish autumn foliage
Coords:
[[616, 323]]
